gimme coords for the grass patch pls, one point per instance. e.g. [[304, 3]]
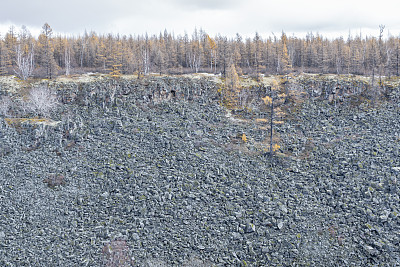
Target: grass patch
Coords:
[[18, 122]]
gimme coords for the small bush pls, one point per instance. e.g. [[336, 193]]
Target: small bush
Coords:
[[41, 101]]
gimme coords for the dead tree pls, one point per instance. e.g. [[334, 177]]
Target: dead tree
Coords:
[[380, 44]]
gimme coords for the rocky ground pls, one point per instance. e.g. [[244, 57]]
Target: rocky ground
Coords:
[[171, 183]]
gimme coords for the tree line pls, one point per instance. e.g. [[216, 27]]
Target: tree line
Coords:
[[50, 55]]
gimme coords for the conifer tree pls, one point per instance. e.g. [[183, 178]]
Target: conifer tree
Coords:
[[47, 51], [286, 67], [10, 41], [212, 45], [167, 53], [4, 59]]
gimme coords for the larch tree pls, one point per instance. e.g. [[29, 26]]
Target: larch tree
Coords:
[[46, 55], [59, 48], [223, 52], [81, 47], [169, 51], [11, 42], [101, 58], [159, 59], [232, 89], [4, 58], [356, 56], [257, 41], [91, 50], [396, 56], [133, 56], [159, 55], [267, 54], [236, 54], [212, 45], [314, 53], [285, 65], [249, 54], [239, 51], [323, 55], [114, 58]]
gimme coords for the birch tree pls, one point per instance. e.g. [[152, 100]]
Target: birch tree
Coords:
[[24, 63], [67, 60], [381, 52], [145, 54]]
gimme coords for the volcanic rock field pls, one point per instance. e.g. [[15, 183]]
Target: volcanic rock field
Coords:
[[156, 172]]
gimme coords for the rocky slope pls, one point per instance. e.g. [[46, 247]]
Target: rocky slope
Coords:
[[158, 165]]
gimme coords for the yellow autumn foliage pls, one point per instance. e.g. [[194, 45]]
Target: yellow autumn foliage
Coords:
[[267, 100], [244, 138], [275, 147]]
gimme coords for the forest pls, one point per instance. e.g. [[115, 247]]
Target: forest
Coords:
[[50, 55]]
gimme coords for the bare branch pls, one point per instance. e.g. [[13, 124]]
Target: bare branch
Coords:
[[42, 101]]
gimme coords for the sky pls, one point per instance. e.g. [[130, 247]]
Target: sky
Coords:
[[331, 19]]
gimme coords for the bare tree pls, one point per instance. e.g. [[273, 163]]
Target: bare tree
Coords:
[[67, 56], [82, 48], [42, 101], [145, 55], [24, 62], [195, 52], [381, 55], [195, 61]]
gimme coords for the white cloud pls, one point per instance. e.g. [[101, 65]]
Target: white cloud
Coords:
[[227, 17], [5, 27]]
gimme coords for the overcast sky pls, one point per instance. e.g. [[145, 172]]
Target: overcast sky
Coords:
[[332, 18]]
